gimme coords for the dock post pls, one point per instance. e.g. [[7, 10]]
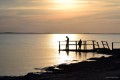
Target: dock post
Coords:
[[59, 46], [107, 45], [112, 45], [103, 44], [93, 45], [76, 45], [98, 45], [68, 46], [85, 47]]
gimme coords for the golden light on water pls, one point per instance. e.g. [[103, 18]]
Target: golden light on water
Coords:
[[62, 37], [68, 57], [65, 58]]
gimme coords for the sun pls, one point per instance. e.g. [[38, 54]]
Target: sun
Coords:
[[64, 4], [64, 1]]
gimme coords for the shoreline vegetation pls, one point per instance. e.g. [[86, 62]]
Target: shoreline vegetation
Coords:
[[104, 68]]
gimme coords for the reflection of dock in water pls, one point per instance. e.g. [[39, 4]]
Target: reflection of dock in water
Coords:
[[88, 46]]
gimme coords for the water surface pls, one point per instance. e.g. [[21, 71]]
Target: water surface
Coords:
[[21, 53]]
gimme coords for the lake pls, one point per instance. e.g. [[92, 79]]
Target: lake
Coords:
[[21, 53]]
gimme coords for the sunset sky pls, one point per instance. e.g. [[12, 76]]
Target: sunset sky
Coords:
[[60, 16]]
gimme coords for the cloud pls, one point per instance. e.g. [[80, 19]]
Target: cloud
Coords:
[[40, 16], [21, 4]]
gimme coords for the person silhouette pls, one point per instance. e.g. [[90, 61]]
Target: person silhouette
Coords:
[[80, 44], [67, 43]]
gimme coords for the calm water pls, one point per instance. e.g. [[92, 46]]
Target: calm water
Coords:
[[21, 53]]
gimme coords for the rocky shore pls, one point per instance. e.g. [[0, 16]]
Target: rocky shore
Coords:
[[104, 68]]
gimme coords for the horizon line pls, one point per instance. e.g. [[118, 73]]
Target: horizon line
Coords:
[[50, 33]]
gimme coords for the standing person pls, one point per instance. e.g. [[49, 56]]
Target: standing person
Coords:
[[80, 43], [67, 43]]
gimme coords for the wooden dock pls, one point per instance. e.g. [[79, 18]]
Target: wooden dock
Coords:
[[114, 48], [87, 46]]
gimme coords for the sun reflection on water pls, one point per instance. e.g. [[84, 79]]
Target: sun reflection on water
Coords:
[[64, 58], [70, 57], [61, 37]]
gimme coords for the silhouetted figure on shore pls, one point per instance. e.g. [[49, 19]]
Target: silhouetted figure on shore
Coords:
[[67, 43], [80, 44]]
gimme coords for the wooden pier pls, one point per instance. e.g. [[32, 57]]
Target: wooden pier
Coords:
[[114, 48], [86, 46]]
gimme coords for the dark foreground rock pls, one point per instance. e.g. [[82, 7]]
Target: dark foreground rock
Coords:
[[98, 69]]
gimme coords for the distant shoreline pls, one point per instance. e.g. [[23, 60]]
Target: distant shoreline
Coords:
[[51, 33]]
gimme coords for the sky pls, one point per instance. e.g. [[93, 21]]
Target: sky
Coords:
[[60, 16]]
